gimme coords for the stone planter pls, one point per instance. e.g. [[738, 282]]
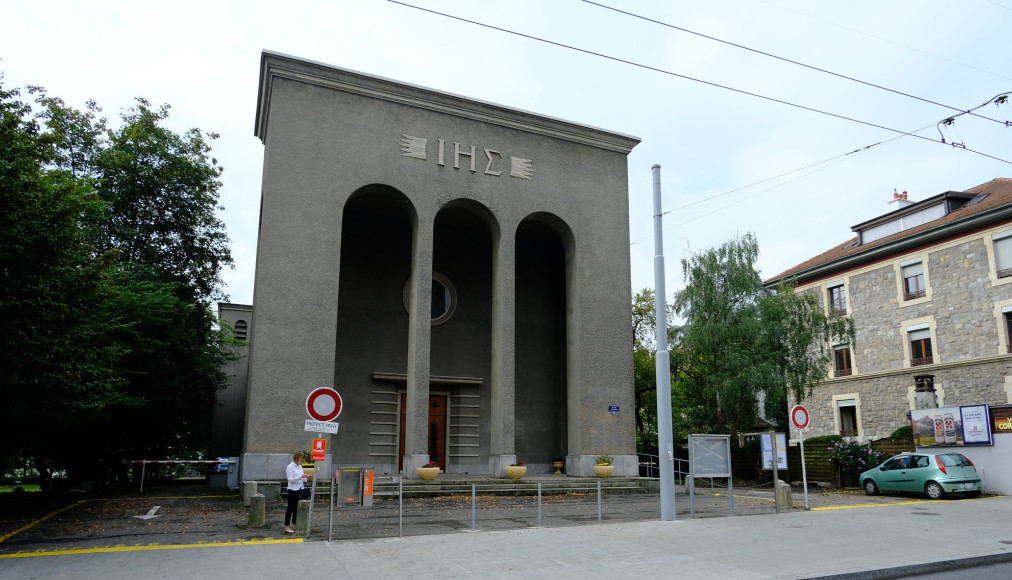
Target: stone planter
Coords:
[[558, 465], [604, 470], [515, 471], [427, 473]]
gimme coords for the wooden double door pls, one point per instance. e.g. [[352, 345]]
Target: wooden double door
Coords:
[[435, 432]]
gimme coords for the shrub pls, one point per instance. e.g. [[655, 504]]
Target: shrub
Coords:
[[904, 432], [853, 457]]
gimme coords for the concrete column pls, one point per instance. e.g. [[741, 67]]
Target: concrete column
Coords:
[[420, 332], [502, 445]]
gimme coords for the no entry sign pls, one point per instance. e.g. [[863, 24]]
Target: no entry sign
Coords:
[[799, 416], [323, 404]]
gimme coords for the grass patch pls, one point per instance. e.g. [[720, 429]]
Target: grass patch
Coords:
[[24, 486]]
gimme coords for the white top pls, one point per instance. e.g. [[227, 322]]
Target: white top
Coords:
[[296, 477]]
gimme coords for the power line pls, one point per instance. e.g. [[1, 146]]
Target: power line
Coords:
[[708, 83], [832, 161], [891, 41], [787, 60]]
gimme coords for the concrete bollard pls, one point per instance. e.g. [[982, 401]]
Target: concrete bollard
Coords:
[[248, 489], [784, 494], [302, 516], [257, 510]]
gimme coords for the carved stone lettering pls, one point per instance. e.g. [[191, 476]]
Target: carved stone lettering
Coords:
[[488, 168], [415, 147], [457, 153]]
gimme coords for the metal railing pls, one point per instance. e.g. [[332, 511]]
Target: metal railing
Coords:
[[650, 467]]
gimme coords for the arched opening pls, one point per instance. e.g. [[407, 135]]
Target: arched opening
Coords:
[[464, 234], [372, 324], [541, 339]]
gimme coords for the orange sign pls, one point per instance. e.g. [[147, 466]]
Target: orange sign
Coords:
[[319, 449], [367, 487], [1003, 424]]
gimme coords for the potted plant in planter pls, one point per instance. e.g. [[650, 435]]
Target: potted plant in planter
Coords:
[[516, 471], [558, 462], [429, 471], [308, 465], [604, 468]]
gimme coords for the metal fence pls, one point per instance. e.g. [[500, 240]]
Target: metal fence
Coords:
[[396, 515]]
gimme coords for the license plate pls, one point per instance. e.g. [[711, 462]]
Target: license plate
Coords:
[[968, 486]]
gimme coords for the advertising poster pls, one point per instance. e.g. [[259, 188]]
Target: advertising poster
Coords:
[[766, 440], [968, 425], [976, 425], [941, 426]]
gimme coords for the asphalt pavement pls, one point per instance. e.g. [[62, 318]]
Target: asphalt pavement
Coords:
[[203, 535]]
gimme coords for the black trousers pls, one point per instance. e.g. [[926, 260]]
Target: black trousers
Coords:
[[294, 495]]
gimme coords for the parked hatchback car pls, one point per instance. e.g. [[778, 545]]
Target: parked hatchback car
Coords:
[[934, 474]]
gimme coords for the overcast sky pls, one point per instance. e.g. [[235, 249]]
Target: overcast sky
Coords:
[[731, 162]]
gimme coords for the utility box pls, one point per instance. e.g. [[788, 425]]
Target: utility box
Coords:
[[354, 486]]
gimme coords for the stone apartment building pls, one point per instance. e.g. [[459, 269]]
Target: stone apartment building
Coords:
[[929, 288]]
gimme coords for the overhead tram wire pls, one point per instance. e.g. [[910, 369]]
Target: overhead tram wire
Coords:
[[892, 42], [681, 76], [831, 161], [791, 61]]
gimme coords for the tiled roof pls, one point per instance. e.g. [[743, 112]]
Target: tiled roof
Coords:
[[1000, 194]]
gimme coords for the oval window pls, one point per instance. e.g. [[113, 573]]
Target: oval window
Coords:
[[444, 298]]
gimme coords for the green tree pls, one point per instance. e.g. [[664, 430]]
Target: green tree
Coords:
[[57, 359], [111, 256], [745, 344]]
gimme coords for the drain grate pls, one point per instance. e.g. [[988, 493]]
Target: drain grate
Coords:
[[925, 514]]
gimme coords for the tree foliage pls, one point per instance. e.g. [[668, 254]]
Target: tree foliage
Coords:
[[744, 347], [110, 253]]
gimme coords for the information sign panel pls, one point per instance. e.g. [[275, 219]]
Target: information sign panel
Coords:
[[710, 455], [767, 447]]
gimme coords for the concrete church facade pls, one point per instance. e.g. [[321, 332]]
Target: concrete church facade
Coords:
[[457, 270]]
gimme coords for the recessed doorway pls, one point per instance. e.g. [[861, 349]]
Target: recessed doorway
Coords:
[[435, 431]]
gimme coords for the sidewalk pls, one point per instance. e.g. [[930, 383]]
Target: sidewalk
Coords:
[[906, 532]]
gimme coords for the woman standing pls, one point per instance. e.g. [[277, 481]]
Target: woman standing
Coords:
[[296, 482]]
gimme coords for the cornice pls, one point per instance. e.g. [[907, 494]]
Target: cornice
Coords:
[[918, 370], [279, 66]]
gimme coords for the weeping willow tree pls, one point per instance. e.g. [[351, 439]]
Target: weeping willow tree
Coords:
[[745, 347]]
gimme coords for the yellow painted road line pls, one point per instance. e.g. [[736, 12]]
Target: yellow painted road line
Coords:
[[113, 549], [865, 505], [40, 520], [148, 498]]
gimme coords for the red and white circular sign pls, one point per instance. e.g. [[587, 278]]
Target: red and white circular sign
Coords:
[[799, 416], [324, 404]]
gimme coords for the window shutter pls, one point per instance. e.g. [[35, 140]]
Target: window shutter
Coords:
[[913, 269], [1003, 253]]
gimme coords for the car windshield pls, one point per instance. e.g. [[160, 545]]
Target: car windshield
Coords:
[[955, 459]]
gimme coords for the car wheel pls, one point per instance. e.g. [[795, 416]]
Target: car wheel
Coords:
[[933, 490], [870, 488]]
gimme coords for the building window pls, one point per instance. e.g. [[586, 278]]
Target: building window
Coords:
[[444, 298], [920, 347], [1007, 317], [841, 364], [1003, 256], [240, 329], [848, 417], [838, 300], [913, 281]]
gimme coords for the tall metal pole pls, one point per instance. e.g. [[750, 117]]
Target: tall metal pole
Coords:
[[665, 439]]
